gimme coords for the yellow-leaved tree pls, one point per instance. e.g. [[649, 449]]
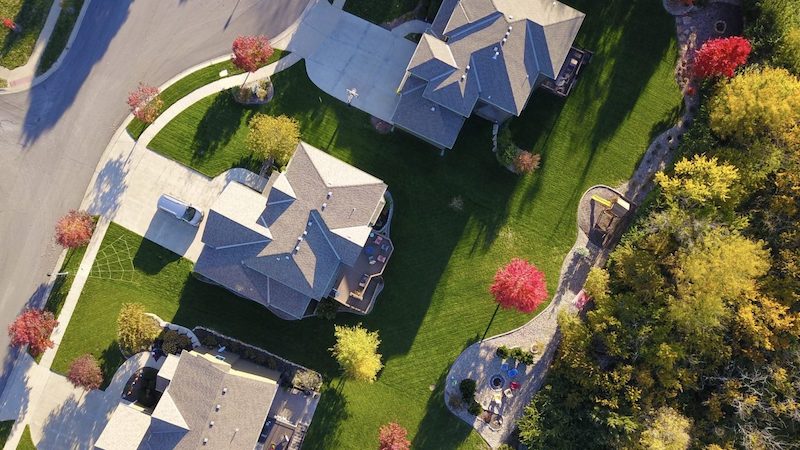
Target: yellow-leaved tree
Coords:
[[667, 430], [136, 331], [356, 350], [273, 137], [697, 181], [759, 102]]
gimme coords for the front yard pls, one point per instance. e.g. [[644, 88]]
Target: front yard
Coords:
[[457, 218]]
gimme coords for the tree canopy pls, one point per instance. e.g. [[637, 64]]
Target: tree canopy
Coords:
[[356, 351], [74, 229], [33, 328], [519, 285], [136, 331], [273, 137]]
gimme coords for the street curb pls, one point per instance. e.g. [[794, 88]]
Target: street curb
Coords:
[[40, 78]]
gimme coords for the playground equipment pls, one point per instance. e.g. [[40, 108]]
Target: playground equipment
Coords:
[[612, 210]]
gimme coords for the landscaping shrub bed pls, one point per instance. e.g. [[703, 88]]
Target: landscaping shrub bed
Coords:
[[292, 374]]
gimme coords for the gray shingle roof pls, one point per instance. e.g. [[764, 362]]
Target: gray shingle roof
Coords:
[[183, 417], [426, 119], [500, 49], [317, 215]]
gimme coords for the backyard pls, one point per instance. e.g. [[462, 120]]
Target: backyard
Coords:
[[30, 15], [457, 219]]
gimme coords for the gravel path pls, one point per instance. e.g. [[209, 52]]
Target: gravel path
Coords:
[[479, 360]]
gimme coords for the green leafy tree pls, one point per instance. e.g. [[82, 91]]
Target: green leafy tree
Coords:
[[356, 351], [758, 102], [668, 430], [697, 181], [273, 137], [596, 285], [135, 330]]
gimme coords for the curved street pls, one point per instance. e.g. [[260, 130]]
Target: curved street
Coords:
[[52, 136]]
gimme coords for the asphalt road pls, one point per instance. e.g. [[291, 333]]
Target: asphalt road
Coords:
[[52, 137]]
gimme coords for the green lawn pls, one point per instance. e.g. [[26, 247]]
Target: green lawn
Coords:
[[62, 284], [70, 10], [189, 83], [5, 430], [436, 300], [26, 443], [30, 15]]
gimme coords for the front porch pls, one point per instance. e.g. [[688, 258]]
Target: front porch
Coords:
[[360, 284]]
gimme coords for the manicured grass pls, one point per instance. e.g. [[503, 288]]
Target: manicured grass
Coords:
[[436, 300], [64, 282], [70, 10], [5, 430], [30, 15], [193, 81], [26, 442], [379, 11]]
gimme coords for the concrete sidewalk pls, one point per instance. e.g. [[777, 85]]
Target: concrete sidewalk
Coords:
[[345, 52], [24, 77]]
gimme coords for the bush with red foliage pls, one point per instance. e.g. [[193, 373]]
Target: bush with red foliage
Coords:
[[519, 285], [145, 103], [527, 162], [85, 372], [721, 57], [75, 229], [392, 436], [8, 23], [251, 52], [33, 328]]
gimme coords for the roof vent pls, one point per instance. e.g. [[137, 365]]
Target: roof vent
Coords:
[[297, 249], [504, 40], [309, 223], [224, 391], [217, 407], [510, 17], [205, 441], [286, 257], [433, 108], [330, 194], [463, 77], [510, 28], [211, 424], [467, 67], [305, 232], [324, 205], [507, 33], [495, 55]]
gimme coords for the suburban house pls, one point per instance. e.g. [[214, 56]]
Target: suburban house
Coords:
[[204, 402], [309, 235], [484, 57]]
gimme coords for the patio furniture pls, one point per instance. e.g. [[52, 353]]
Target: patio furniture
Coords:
[[514, 385], [384, 248], [363, 281], [379, 239], [513, 373], [504, 367], [381, 259], [508, 393]]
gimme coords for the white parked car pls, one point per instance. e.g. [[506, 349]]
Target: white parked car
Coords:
[[180, 209]]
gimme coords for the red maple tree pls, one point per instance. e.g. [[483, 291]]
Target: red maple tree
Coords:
[[721, 56], [33, 328], [519, 285], [145, 103], [75, 229], [250, 53], [85, 372], [392, 436]]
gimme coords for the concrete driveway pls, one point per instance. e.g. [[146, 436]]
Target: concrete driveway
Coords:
[[344, 52], [67, 417], [128, 186]]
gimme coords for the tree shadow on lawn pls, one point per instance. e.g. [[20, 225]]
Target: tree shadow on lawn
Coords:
[[151, 258], [324, 431], [110, 361], [218, 125], [439, 428]]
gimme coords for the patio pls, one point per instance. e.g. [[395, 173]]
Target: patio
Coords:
[[360, 285]]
